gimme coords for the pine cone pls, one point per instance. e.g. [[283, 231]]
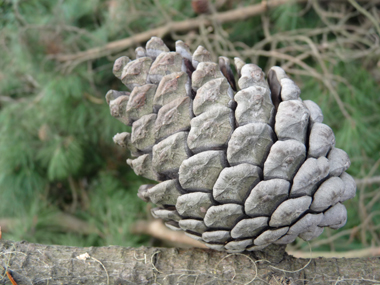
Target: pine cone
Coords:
[[235, 171]]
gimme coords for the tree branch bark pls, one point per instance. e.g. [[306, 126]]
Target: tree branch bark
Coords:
[[183, 26], [48, 264], [238, 14]]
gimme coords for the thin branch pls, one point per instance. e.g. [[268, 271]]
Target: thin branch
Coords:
[[238, 14], [157, 229], [116, 46], [368, 181], [64, 221], [366, 13]]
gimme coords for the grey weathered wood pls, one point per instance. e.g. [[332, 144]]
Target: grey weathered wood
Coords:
[[49, 264]]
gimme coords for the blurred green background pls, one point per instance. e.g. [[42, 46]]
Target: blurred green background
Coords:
[[63, 181]]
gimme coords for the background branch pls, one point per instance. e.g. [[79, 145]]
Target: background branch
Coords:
[[238, 14]]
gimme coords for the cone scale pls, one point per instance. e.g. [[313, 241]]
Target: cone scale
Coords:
[[240, 165]]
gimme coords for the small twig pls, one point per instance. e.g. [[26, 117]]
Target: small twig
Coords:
[[85, 256], [151, 261], [365, 13], [334, 237], [66, 222], [116, 46], [7, 99], [375, 197], [157, 229], [368, 181]]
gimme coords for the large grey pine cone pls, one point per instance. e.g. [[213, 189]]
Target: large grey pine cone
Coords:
[[237, 171]]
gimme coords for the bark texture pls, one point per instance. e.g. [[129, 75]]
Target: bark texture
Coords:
[[49, 264]]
